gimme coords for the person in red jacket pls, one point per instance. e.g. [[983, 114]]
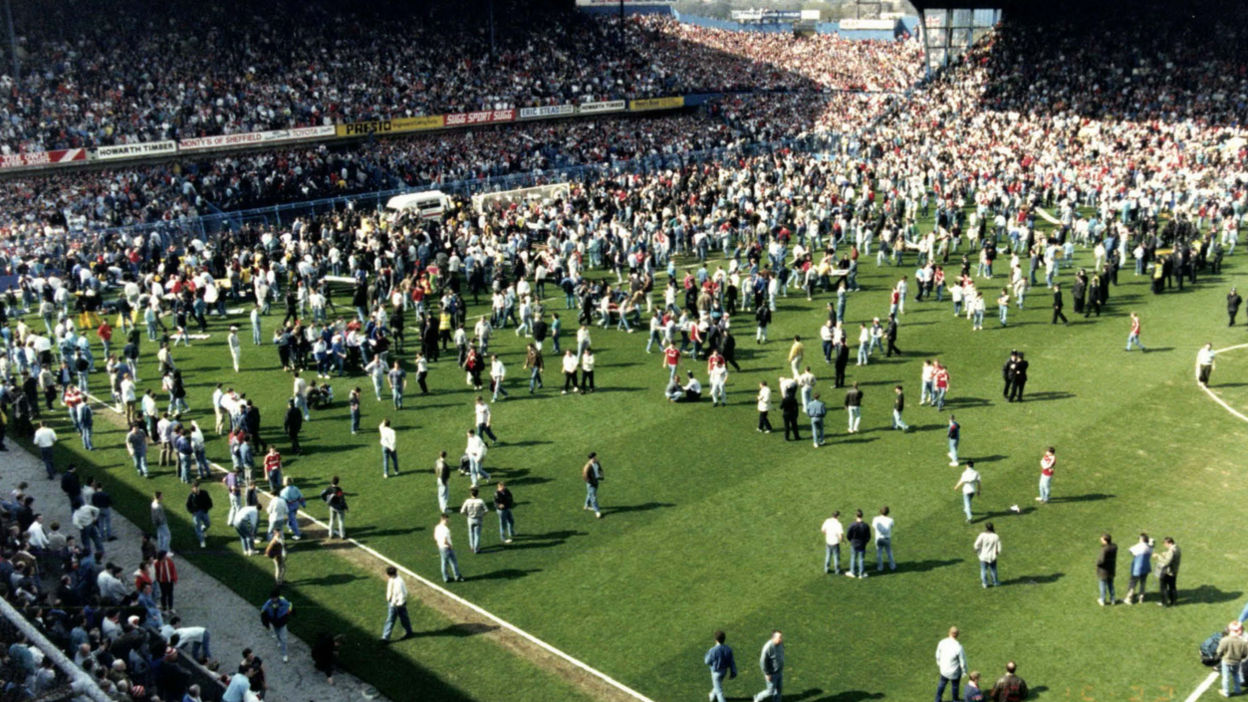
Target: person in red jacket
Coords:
[[167, 577]]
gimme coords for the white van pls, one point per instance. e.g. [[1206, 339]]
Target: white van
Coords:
[[431, 204]]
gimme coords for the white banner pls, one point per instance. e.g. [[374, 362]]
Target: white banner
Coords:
[[547, 111], [152, 148], [873, 24], [590, 108], [225, 141]]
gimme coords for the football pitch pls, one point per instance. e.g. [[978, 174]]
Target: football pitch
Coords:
[[709, 525]]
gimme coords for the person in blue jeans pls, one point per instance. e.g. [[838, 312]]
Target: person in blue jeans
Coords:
[[772, 663], [858, 535], [955, 435], [446, 550], [1232, 651], [722, 664], [883, 525]]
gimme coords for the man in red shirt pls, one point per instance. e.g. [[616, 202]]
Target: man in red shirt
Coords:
[[671, 359], [105, 333], [1047, 464], [1134, 336], [940, 381], [273, 469]]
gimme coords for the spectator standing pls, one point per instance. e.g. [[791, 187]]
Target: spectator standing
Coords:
[[160, 522], [1048, 463], [1168, 572], [475, 510], [336, 500], [722, 664], [955, 435], [1141, 563], [1009, 687], [591, 473], [198, 504], [45, 439], [988, 548], [503, 504], [772, 663], [833, 534], [858, 535], [396, 603], [1106, 568], [853, 407], [969, 483], [167, 578], [1232, 652], [446, 550], [276, 552], [883, 527], [442, 478], [275, 613], [951, 660], [389, 452]]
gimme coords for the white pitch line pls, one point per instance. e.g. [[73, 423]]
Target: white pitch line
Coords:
[[1204, 687], [448, 594], [1214, 395]]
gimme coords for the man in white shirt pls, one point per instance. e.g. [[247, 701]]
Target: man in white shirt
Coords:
[[498, 373], [951, 659], [883, 526], [300, 390], [833, 534], [446, 551], [988, 547], [396, 600], [389, 452], [969, 484], [112, 589], [475, 450], [128, 398], [484, 423], [45, 439]]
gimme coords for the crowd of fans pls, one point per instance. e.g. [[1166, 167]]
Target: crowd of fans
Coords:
[[151, 71], [1025, 111], [702, 59], [177, 190], [110, 621], [1149, 121], [778, 116]]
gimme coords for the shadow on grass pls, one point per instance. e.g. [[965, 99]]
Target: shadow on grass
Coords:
[[1208, 594], [852, 696], [1046, 396], [925, 566], [1090, 497], [1035, 579], [504, 574], [988, 459], [859, 441], [1038, 690], [645, 507], [457, 630], [331, 579], [520, 444], [967, 402]]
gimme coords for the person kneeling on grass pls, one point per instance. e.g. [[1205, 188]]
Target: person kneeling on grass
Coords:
[[691, 392]]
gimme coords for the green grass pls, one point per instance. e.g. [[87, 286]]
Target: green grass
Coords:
[[710, 525]]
